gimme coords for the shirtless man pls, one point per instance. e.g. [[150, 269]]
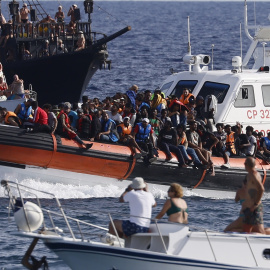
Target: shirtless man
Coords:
[[252, 206], [24, 13]]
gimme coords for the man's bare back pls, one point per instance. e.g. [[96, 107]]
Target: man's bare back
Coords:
[[252, 206]]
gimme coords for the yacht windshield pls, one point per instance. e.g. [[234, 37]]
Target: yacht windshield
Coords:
[[219, 90], [166, 87], [178, 90]]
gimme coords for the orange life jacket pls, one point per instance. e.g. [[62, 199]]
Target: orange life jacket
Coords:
[[11, 114], [185, 100], [125, 130], [230, 143]]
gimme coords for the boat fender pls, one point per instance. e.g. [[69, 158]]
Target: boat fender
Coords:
[[28, 218]]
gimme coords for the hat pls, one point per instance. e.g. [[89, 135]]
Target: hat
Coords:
[[55, 108], [24, 5], [134, 87], [138, 183], [126, 118], [145, 120], [80, 111], [74, 5], [31, 100], [199, 98]]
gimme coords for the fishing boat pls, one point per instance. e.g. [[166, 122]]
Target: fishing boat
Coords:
[[82, 245], [46, 154], [241, 91], [55, 77]]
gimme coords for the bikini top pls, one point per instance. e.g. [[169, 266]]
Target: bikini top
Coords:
[[175, 209], [241, 201]]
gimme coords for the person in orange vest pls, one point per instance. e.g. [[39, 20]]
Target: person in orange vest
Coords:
[[186, 96], [124, 130], [230, 141], [9, 118]]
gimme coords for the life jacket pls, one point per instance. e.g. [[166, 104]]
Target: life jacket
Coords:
[[12, 114], [125, 130], [230, 143], [185, 100], [113, 134], [24, 113], [60, 129], [143, 133], [84, 124], [267, 143]]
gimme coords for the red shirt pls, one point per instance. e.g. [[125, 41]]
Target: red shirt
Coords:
[[40, 117]]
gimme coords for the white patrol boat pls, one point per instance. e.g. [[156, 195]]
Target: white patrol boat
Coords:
[[170, 246], [242, 94]]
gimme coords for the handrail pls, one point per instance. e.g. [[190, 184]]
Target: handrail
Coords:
[[210, 245], [114, 228], [252, 252], [161, 237]]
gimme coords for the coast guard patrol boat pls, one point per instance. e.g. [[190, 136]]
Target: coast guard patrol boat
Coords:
[[242, 94]]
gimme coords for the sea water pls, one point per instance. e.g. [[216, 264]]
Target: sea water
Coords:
[[143, 56]]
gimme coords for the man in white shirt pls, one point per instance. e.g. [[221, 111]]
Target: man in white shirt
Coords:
[[140, 204], [252, 147], [114, 115]]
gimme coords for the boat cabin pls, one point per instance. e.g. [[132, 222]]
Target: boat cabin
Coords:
[[242, 94]]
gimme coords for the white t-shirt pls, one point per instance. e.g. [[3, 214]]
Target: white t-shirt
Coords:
[[140, 204], [250, 149], [117, 118]]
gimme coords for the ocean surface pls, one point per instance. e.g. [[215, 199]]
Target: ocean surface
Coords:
[[143, 56]]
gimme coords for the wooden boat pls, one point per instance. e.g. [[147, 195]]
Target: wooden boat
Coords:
[[60, 77], [22, 150]]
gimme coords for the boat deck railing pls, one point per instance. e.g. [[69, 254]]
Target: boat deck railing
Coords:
[[17, 191], [33, 37]]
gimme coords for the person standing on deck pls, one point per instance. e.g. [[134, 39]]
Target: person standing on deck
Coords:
[[252, 206], [24, 11]]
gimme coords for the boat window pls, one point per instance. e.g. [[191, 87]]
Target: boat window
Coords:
[[245, 97], [219, 90], [166, 87], [266, 254], [266, 95], [178, 90]]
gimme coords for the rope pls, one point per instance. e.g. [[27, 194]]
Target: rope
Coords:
[[121, 21], [200, 181]]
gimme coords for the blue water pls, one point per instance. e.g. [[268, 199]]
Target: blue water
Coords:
[[143, 56]]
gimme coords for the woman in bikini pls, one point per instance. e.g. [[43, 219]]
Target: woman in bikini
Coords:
[[175, 207]]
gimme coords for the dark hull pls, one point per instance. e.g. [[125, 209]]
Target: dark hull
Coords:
[[19, 149], [56, 78]]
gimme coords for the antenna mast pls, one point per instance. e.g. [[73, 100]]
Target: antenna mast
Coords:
[[189, 45], [241, 47]]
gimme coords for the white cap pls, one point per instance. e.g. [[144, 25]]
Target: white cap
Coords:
[[24, 5], [126, 118], [145, 120]]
